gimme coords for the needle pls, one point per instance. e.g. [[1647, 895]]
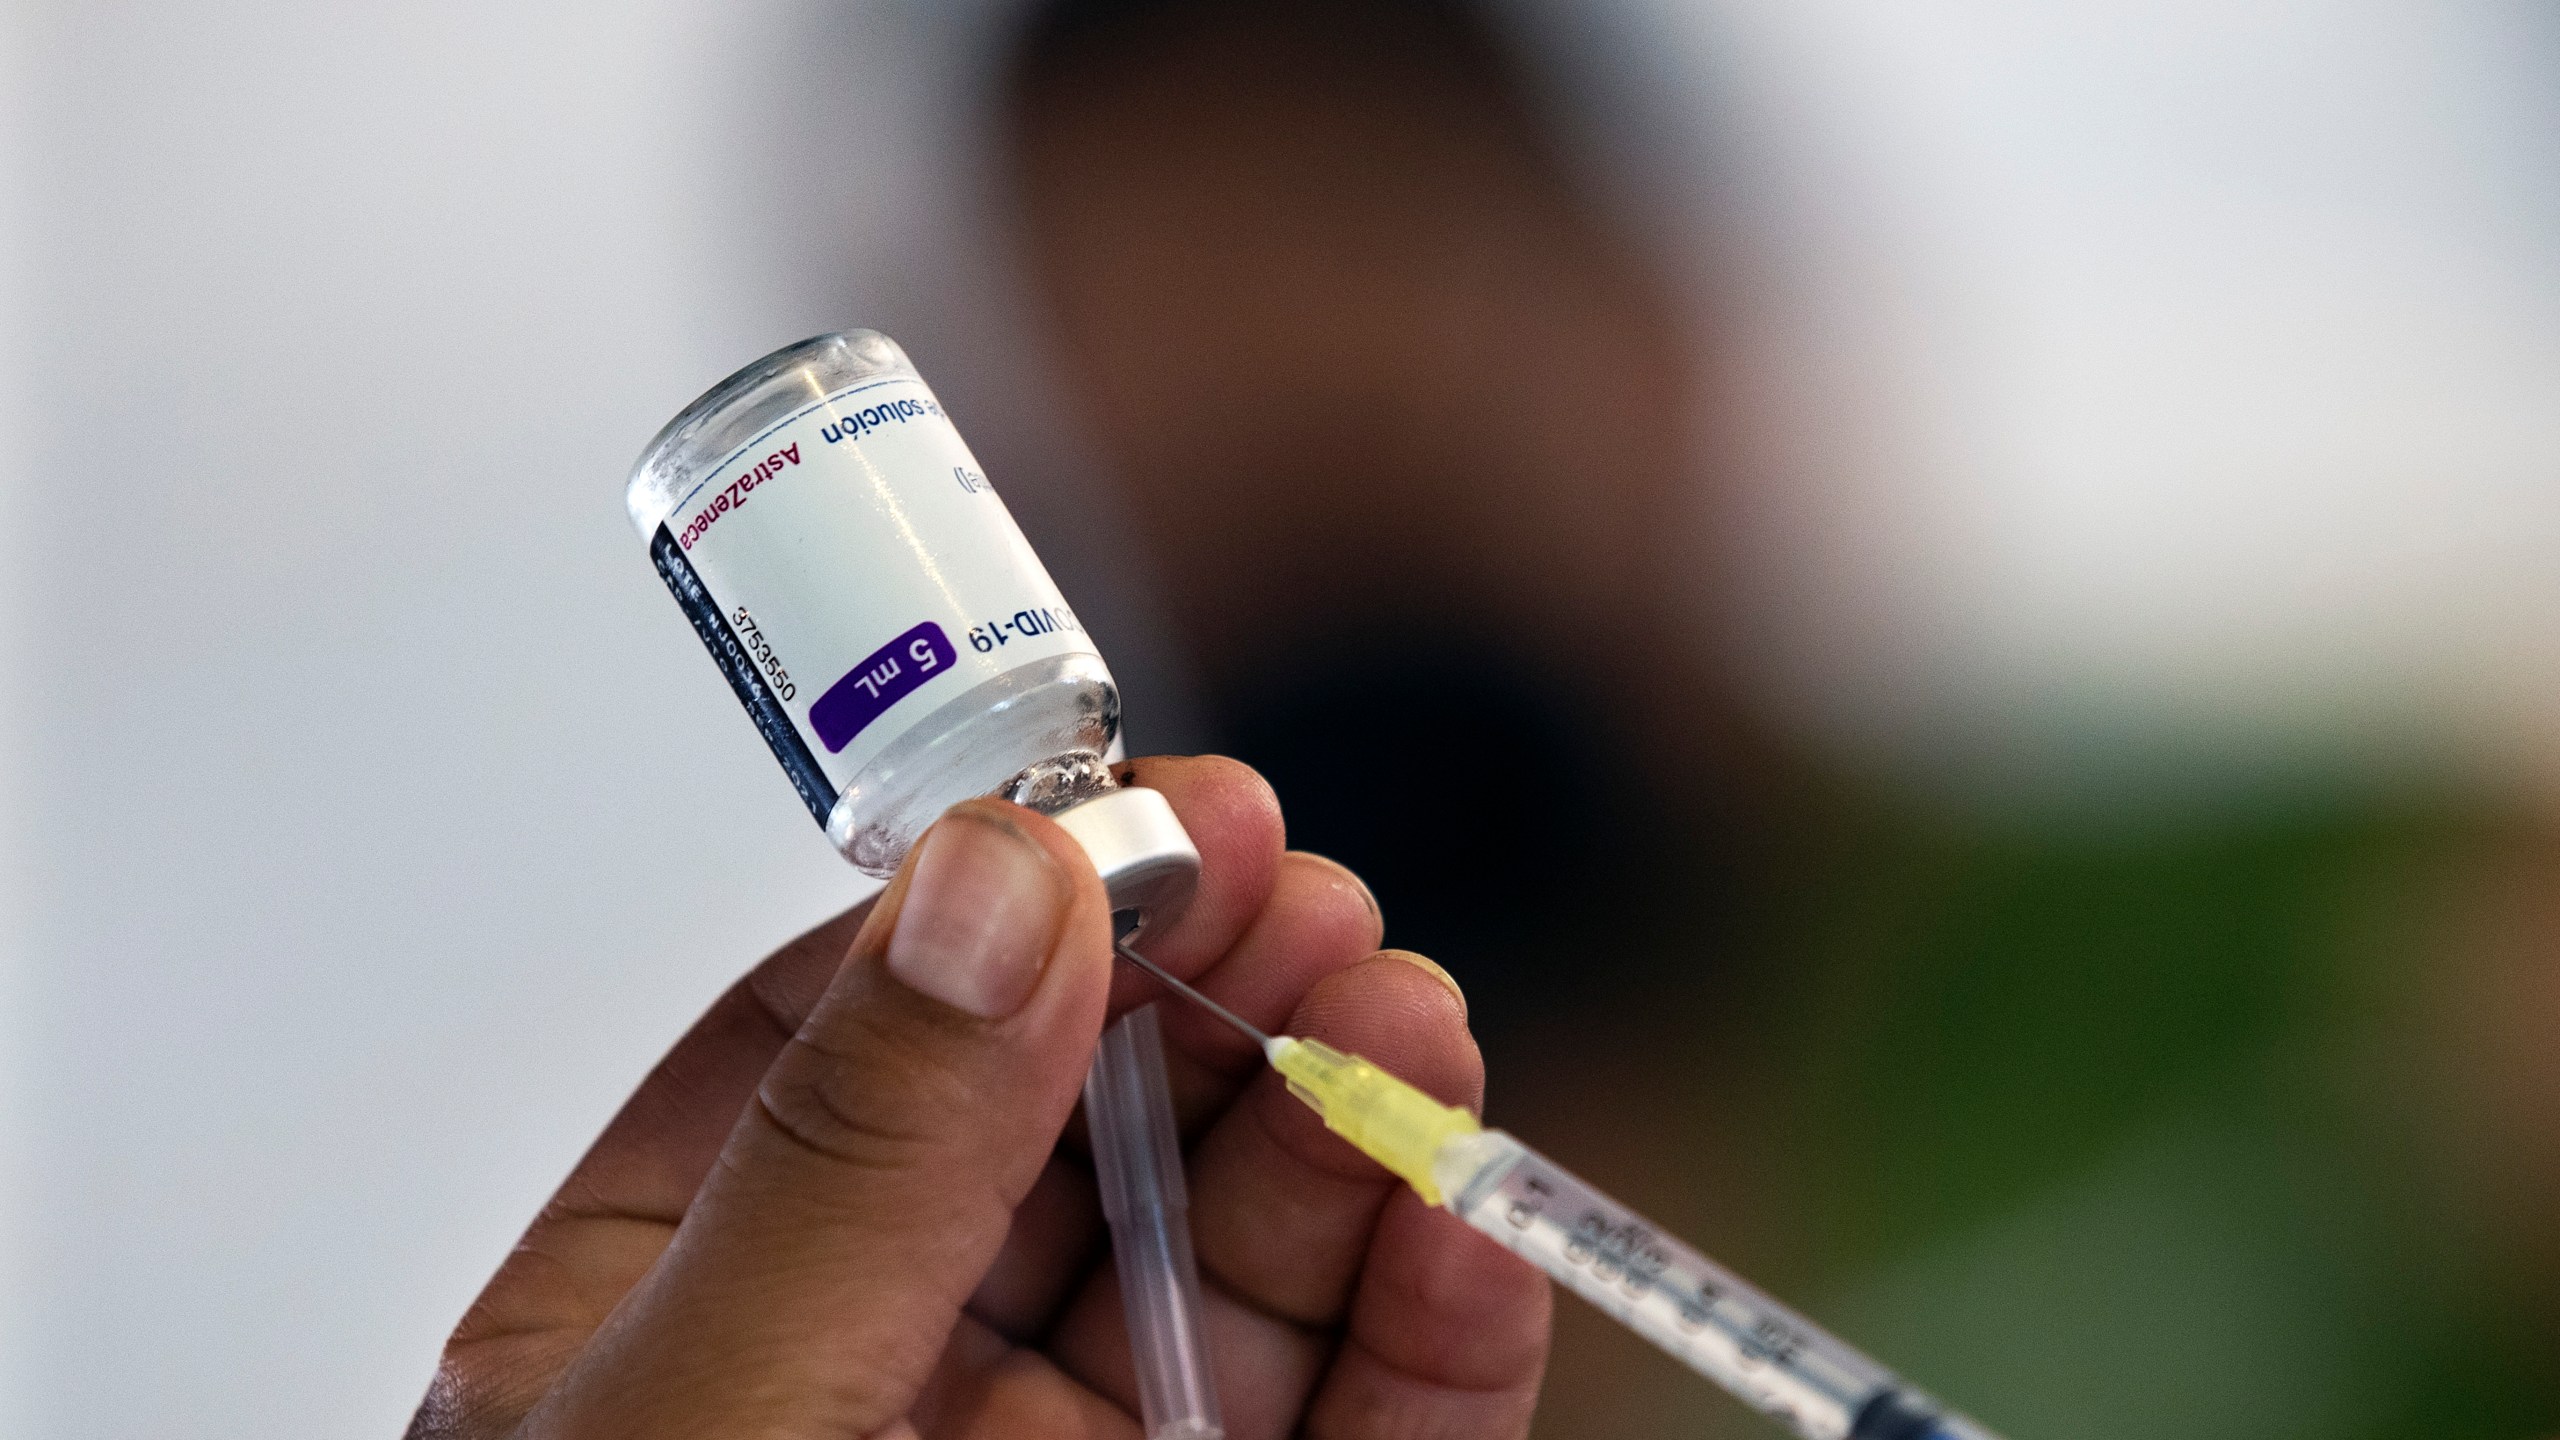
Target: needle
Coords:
[[1187, 993]]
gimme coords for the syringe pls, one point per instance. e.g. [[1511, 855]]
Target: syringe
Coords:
[[1704, 1315]]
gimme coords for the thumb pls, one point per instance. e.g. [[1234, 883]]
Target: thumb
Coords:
[[818, 1273]]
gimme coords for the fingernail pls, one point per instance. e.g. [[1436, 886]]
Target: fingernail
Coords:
[[1368, 896], [1431, 968], [980, 913]]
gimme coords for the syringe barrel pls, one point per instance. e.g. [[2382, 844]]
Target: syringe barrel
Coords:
[[1137, 1157], [1702, 1314]]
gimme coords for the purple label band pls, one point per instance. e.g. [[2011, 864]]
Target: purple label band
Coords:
[[881, 680]]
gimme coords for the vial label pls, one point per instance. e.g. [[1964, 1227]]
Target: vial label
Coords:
[[851, 570]]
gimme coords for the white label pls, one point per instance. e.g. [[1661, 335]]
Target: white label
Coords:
[[866, 572]]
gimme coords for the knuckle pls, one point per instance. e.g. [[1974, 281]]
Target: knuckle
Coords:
[[446, 1413], [483, 1391], [886, 1114], [811, 1121]]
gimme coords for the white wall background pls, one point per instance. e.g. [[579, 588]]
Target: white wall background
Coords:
[[372, 823], [383, 828]]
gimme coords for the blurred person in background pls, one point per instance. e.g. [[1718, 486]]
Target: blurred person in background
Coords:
[[2246, 1125]]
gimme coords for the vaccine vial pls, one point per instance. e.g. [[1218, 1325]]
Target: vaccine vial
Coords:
[[870, 600]]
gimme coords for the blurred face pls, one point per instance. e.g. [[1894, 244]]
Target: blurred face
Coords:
[[1344, 327]]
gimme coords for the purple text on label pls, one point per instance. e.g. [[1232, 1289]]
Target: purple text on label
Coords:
[[880, 680]]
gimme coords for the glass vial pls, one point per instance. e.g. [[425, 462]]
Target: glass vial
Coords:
[[872, 603], [869, 598]]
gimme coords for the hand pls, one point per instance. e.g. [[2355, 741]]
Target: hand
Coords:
[[842, 1205]]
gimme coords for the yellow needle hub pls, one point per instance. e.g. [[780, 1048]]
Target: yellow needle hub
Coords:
[[1384, 1118]]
